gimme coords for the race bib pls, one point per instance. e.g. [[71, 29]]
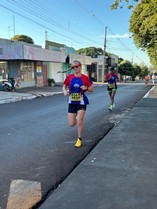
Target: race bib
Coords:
[[75, 97], [111, 85]]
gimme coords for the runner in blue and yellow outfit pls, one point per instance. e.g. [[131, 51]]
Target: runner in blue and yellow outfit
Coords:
[[112, 78], [75, 86]]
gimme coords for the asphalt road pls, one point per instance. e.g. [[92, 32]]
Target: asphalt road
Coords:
[[36, 143]]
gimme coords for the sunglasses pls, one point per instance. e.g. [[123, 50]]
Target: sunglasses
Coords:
[[76, 66]]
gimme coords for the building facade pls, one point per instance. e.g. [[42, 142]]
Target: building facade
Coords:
[[26, 62], [55, 70], [31, 65]]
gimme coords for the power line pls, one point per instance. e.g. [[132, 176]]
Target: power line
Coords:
[[91, 13], [39, 24], [94, 16], [47, 19], [50, 21], [126, 46]]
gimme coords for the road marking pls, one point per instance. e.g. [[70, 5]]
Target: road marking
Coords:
[[23, 194], [147, 94]]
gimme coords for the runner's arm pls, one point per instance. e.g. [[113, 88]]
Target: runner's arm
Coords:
[[87, 88], [65, 91], [90, 88], [107, 78]]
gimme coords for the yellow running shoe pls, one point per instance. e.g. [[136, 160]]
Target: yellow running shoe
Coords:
[[110, 107], [78, 143]]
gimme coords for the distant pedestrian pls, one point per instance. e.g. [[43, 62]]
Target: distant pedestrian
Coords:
[[75, 85], [146, 78], [112, 78], [153, 78]]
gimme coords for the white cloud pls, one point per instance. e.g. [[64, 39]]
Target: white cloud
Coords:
[[126, 35]]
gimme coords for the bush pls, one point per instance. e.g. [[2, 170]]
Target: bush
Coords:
[[51, 82]]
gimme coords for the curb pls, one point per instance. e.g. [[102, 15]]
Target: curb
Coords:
[[8, 97]]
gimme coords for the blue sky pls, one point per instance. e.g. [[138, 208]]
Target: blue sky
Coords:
[[75, 23]]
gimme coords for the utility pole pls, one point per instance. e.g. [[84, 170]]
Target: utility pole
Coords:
[[46, 33], [132, 59], [12, 27], [9, 31], [14, 24], [104, 70]]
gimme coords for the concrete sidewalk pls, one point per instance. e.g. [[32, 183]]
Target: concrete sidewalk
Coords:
[[28, 93], [120, 172]]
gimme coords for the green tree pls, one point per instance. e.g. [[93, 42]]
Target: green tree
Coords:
[[119, 3], [144, 71], [136, 70], [91, 51], [152, 52], [126, 68], [23, 38], [143, 25], [120, 60]]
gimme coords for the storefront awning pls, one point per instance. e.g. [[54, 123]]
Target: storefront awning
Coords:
[[23, 52]]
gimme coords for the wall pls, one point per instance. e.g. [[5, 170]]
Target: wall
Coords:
[[23, 52], [85, 60], [53, 69], [31, 53]]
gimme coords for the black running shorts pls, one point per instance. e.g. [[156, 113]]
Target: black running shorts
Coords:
[[73, 108], [111, 89]]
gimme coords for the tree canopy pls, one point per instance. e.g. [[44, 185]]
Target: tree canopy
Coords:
[[126, 68], [143, 25], [119, 3], [23, 38], [91, 51]]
